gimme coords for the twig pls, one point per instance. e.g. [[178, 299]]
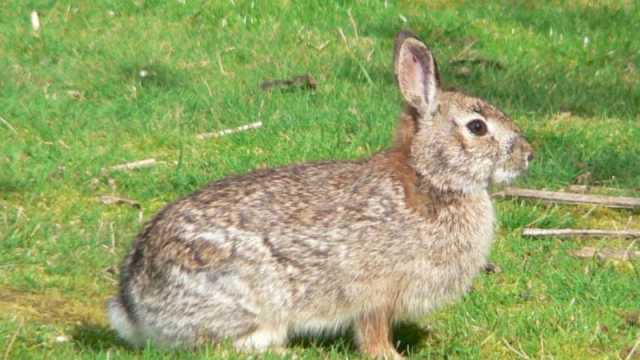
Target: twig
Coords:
[[224, 132], [615, 254], [35, 21], [633, 350], [115, 200], [581, 232], [584, 189], [134, 165], [306, 81], [571, 198], [8, 125], [520, 354]]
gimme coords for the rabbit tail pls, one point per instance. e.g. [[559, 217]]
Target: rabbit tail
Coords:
[[122, 323]]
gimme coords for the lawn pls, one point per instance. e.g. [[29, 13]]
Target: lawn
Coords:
[[107, 82]]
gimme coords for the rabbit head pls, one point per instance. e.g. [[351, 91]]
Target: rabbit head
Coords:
[[457, 142]]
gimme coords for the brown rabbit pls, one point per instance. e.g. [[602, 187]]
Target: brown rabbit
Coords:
[[319, 248]]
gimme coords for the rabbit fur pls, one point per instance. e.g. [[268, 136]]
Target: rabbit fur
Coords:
[[324, 247]]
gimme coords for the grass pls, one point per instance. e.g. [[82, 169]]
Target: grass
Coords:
[[73, 102]]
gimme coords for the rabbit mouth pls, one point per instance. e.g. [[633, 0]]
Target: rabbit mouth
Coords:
[[504, 176]]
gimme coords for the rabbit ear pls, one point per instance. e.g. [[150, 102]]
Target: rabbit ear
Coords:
[[416, 72]]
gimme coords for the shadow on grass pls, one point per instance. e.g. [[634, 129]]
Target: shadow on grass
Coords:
[[407, 338], [153, 74], [8, 185], [342, 343], [97, 338]]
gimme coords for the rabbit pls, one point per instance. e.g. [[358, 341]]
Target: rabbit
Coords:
[[325, 247]]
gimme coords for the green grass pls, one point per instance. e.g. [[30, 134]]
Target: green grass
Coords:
[[75, 98]]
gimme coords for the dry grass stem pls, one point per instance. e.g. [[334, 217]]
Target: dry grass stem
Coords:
[[224, 132], [134, 165], [571, 198], [581, 233]]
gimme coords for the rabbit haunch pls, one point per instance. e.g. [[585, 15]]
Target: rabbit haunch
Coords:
[[319, 248]]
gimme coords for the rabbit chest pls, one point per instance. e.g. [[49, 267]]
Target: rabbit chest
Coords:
[[450, 246]]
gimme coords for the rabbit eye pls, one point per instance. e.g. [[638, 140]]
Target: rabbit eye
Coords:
[[477, 127]]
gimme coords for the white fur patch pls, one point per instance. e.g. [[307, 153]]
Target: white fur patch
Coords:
[[217, 237], [504, 176], [324, 327], [121, 323], [262, 339]]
